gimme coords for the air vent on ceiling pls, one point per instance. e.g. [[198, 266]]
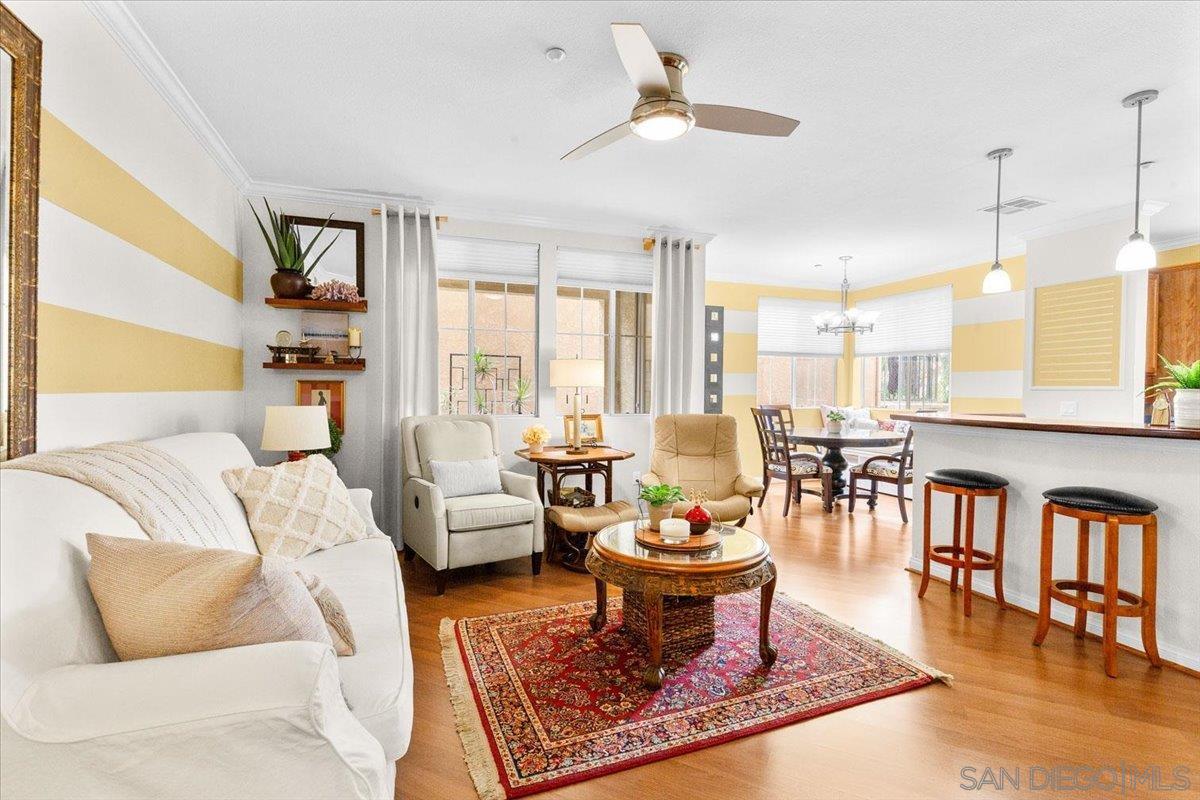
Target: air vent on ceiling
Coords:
[[1016, 205]]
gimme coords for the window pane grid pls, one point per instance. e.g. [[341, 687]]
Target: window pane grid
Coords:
[[919, 381], [799, 381], [612, 326]]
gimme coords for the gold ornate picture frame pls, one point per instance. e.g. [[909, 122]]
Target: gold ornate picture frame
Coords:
[[591, 428], [25, 50]]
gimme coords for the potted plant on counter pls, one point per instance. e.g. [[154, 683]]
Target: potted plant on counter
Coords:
[[834, 420], [662, 498], [291, 273], [1185, 380]]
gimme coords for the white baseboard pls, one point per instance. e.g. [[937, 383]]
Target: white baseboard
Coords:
[[982, 583]]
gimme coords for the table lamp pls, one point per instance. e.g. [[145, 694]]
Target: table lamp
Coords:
[[293, 429], [577, 373]]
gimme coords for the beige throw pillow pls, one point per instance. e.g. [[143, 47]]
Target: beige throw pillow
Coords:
[[297, 507], [166, 598]]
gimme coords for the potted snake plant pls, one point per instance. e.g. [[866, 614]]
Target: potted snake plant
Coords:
[[291, 268], [1185, 380]]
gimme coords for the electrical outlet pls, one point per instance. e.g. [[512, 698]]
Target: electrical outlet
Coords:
[[1068, 408]]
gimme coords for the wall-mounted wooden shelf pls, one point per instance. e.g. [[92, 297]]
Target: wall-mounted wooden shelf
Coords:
[[316, 305], [310, 366]]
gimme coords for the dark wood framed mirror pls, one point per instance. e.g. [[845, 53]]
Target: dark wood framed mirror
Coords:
[[20, 118], [345, 260]]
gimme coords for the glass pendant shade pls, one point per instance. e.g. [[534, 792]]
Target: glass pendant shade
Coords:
[[1137, 254], [997, 281]]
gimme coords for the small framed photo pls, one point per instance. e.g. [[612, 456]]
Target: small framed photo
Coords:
[[591, 428], [331, 394]]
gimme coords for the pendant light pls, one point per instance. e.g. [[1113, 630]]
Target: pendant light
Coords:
[[848, 320], [1137, 254], [997, 280]]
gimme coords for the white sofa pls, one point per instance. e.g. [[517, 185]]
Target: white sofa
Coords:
[[287, 720]]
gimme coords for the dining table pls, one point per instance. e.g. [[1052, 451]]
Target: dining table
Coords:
[[833, 444]]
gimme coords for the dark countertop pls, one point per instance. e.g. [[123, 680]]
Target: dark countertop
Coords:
[[1053, 425]]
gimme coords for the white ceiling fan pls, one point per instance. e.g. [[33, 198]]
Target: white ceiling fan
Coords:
[[662, 111]]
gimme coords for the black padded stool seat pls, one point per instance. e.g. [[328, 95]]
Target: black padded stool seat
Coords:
[[1102, 501], [966, 478]]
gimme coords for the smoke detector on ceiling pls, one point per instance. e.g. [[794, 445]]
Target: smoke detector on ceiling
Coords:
[[1016, 205]]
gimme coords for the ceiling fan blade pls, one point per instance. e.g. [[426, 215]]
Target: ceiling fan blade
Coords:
[[641, 60], [742, 120], [597, 142]]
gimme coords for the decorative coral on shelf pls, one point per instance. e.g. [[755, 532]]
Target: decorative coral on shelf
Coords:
[[336, 290], [536, 437]]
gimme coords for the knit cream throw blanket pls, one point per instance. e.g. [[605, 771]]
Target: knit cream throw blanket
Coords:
[[156, 489]]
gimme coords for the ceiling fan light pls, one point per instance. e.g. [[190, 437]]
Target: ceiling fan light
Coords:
[[997, 281], [663, 125], [1136, 255]]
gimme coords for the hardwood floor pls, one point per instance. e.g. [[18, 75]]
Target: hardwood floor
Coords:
[[1012, 706]]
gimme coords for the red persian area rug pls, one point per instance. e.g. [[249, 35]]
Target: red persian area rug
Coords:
[[542, 702]]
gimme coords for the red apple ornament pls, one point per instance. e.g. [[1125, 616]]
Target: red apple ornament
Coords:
[[699, 519]]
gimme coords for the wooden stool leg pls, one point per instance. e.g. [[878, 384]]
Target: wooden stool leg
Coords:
[[1150, 589], [998, 575], [1112, 530], [968, 555], [925, 549], [1043, 625], [1081, 574], [956, 540]]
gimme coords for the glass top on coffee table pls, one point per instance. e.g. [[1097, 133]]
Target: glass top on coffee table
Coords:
[[738, 547]]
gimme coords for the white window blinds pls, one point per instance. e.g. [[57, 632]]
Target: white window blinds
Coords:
[[786, 327], [605, 269], [487, 259], [914, 322]]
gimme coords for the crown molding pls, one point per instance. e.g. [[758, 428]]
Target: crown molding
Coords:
[[1101, 217], [1186, 240], [114, 16], [332, 197]]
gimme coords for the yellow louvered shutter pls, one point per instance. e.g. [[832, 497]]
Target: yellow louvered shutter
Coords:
[[1077, 334]]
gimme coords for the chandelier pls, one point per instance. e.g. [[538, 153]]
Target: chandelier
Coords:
[[848, 320]]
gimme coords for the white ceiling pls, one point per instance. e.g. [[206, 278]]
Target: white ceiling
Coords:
[[898, 103]]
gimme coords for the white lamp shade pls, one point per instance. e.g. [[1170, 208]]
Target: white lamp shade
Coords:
[[997, 281], [289, 428], [576, 372], [1137, 254]]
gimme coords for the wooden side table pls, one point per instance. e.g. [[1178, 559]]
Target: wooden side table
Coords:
[[556, 464]]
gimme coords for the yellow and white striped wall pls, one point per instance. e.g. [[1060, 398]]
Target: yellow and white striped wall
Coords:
[[987, 350], [140, 285], [740, 301]]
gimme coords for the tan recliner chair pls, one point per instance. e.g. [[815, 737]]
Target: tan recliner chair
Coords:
[[700, 452]]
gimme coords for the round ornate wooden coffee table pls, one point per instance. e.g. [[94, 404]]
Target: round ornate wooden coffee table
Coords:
[[673, 592]]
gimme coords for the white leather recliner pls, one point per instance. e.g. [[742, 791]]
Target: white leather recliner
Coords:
[[463, 531]]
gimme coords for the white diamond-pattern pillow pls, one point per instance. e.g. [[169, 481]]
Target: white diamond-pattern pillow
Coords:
[[297, 507]]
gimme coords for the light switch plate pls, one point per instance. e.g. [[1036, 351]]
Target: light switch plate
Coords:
[[1068, 408]]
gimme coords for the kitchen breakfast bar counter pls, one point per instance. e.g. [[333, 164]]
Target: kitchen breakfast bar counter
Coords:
[[1159, 464]]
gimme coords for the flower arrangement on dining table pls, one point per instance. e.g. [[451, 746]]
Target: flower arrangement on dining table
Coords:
[[535, 436]]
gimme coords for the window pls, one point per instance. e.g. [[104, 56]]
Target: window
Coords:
[[918, 381], [906, 359], [797, 380], [796, 365], [487, 327], [604, 311]]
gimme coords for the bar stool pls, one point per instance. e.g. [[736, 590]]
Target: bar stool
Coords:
[[1090, 504], [968, 483]]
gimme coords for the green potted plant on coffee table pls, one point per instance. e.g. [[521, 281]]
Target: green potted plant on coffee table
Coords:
[[661, 497]]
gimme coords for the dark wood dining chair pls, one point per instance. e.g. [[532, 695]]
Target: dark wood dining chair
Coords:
[[782, 462], [893, 468], [789, 420]]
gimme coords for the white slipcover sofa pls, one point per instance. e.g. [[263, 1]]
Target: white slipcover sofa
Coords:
[[286, 720]]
